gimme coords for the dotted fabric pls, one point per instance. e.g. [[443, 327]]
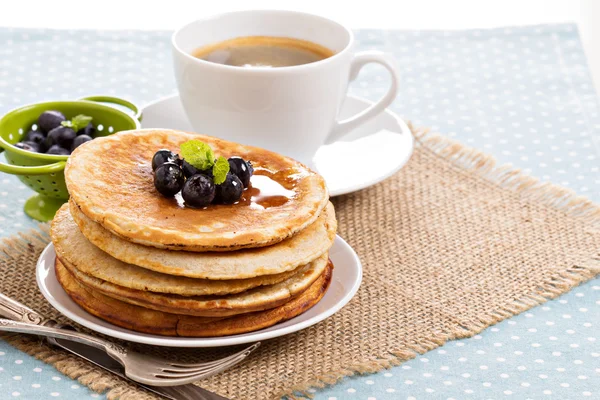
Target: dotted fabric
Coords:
[[521, 94]]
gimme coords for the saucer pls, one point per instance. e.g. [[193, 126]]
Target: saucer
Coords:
[[347, 275], [367, 155]]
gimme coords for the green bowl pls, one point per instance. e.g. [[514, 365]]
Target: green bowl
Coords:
[[44, 173]]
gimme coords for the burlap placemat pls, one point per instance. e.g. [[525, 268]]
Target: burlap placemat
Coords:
[[450, 245]]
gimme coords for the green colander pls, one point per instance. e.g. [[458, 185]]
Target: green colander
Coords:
[[44, 173]]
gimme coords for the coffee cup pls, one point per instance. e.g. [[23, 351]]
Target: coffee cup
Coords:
[[293, 109]]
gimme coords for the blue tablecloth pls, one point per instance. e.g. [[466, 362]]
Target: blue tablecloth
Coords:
[[522, 94]]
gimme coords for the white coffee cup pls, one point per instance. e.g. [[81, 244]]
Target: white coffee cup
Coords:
[[290, 110]]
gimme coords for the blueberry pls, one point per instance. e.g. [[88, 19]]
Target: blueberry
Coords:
[[49, 120], [62, 136], [162, 156], [189, 170], [60, 151], [35, 136], [168, 179], [29, 146], [207, 172], [89, 130], [242, 169], [79, 140], [198, 191], [229, 191]]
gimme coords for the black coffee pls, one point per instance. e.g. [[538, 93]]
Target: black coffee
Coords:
[[263, 51]]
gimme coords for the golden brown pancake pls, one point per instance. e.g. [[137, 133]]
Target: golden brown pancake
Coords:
[[110, 179], [71, 245], [159, 323], [236, 266], [260, 298]]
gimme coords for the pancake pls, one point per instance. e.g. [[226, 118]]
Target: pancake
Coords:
[[159, 323], [110, 179], [256, 299], [70, 244], [298, 250]]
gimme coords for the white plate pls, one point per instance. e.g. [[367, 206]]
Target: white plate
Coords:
[[366, 156], [347, 275]]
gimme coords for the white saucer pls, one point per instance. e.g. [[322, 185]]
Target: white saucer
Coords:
[[347, 275], [366, 156]]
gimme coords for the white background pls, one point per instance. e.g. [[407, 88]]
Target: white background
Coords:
[[400, 14], [382, 14]]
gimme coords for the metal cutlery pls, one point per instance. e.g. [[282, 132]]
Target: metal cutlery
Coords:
[[143, 368], [95, 352], [101, 359]]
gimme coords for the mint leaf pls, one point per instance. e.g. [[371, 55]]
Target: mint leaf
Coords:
[[80, 121], [197, 153], [220, 170]]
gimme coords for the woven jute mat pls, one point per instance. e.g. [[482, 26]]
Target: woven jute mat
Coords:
[[450, 245]]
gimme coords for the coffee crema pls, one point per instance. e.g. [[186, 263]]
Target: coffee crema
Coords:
[[263, 52]]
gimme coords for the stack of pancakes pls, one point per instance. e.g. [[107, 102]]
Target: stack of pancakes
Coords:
[[148, 263]]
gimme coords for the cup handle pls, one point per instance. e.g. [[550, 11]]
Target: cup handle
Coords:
[[33, 170], [117, 100], [360, 60]]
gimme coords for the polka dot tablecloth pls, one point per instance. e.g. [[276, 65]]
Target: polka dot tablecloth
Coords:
[[522, 94]]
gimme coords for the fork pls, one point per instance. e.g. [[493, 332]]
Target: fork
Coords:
[[143, 368]]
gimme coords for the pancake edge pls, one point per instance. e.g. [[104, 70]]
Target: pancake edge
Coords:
[[172, 270], [186, 326], [212, 308]]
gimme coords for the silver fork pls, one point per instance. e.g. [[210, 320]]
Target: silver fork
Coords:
[[143, 368]]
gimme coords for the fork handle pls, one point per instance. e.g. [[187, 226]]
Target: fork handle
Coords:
[[16, 311], [48, 331], [27, 321]]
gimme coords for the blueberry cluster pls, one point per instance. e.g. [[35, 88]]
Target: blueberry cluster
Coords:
[[173, 174], [56, 135]]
